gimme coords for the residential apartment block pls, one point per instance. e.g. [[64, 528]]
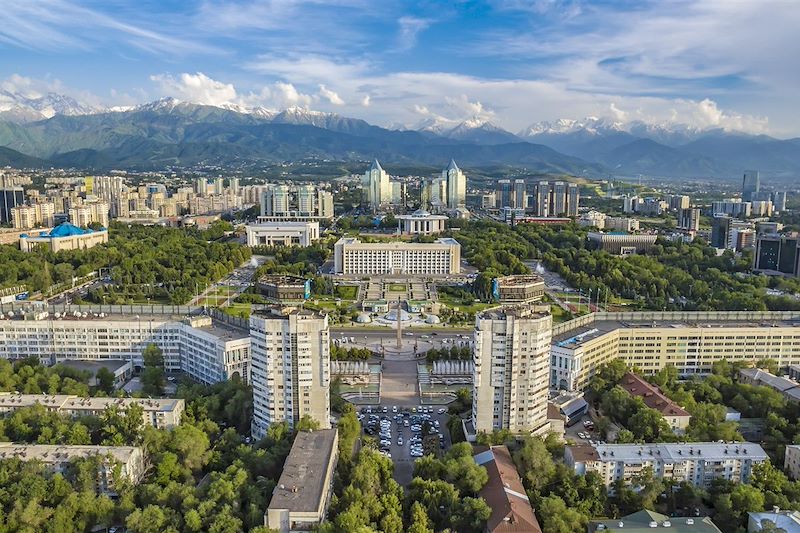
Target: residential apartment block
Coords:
[[161, 413], [697, 463], [689, 341], [208, 350], [441, 257], [34, 215], [511, 362], [290, 367]]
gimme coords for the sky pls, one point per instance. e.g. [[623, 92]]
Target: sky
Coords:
[[708, 64]]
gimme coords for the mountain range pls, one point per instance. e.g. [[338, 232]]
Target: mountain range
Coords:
[[57, 130]]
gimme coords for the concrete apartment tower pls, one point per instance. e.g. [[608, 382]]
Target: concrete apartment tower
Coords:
[[511, 371], [290, 367], [456, 185]]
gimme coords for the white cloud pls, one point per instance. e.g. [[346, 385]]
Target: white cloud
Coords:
[[410, 27], [365, 102], [330, 96], [196, 88]]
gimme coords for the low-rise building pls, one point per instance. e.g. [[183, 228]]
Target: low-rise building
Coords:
[[696, 463], [442, 257], [301, 497], [421, 222], [65, 236], [505, 495], [791, 461], [622, 243], [288, 233], [161, 413], [677, 417], [789, 388], [644, 521], [279, 288], [622, 224], [58, 458], [518, 289]]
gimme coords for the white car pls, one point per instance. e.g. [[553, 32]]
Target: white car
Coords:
[[442, 411]]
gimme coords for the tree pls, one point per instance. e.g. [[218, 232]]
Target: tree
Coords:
[[153, 377], [419, 520], [307, 423], [558, 518], [535, 463], [105, 380]]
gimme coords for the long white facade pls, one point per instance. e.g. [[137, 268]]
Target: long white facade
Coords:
[[511, 364], [442, 257], [206, 351], [290, 367], [287, 233]]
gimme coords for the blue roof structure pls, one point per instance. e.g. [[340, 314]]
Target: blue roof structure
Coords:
[[65, 229]]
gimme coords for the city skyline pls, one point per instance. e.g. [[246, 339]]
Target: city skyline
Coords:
[[510, 63]]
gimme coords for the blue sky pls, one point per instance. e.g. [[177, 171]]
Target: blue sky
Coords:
[[724, 63]]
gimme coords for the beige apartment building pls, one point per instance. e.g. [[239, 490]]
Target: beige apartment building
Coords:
[[442, 257], [89, 213], [290, 358], [511, 363], [34, 215], [697, 463], [691, 342], [161, 413], [58, 458]]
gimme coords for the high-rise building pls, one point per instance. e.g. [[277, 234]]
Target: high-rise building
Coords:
[[219, 185], [324, 204], [778, 254], [689, 219], [377, 187], [556, 199], [732, 207], [399, 195], [542, 199], [110, 189], [511, 369], [201, 186], [503, 194], [629, 204], [234, 185], [520, 194], [89, 213], [306, 202], [456, 185], [779, 201], [751, 184], [34, 215], [678, 202], [10, 197], [290, 367], [275, 201]]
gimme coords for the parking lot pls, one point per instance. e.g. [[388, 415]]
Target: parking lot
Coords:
[[406, 433]]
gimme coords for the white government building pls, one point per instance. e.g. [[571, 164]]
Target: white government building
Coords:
[[284, 233], [442, 257], [208, 350], [421, 222]]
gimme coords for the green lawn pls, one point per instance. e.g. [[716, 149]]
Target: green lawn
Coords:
[[238, 310], [347, 292], [397, 287]]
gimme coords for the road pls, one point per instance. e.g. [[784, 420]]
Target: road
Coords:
[[241, 278]]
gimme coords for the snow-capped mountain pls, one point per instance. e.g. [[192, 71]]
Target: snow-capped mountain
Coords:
[[475, 130], [592, 125], [17, 107]]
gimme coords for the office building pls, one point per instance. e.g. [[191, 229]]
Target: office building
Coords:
[[720, 230], [505, 494], [732, 207], [33, 216], [689, 341], [504, 194], [629, 204], [441, 257], [127, 462], [625, 224], [511, 361], [645, 521], [526, 288], [696, 463], [290, 367], [160, 413], [10, 197], [208, 351], [65, 236], [421, 223], [279, 288], [761, 208], [777, 254], [377, 187], [751, 184], [89, 213], [300, 499], [689, 220], [456, 185], [287, 233], [520, 194], [779, 201], [618, 243], [674, 415], [678, 201]]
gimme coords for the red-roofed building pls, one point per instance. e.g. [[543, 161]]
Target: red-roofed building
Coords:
[[505, 495], [677, 417]]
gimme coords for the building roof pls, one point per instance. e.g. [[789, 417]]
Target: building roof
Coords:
[[65, 401], [788, 521], [61, 453], [283, 279], [452, 165], [519, 280], [376, 166], [505, 495], [651, 395], [674, 452], [770, 380], [303, 482], [644, 520], [65, 229]]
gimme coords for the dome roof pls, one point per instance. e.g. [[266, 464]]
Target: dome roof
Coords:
[[433, 319], [392, 315], [363, 318]]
